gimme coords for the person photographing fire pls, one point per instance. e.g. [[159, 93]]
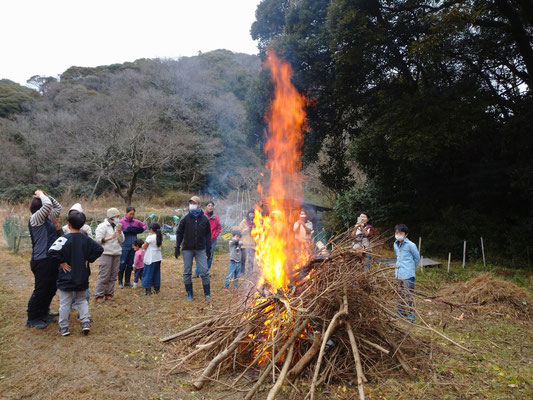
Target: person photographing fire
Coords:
[[303, 230]]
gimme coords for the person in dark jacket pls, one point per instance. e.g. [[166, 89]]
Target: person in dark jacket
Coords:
[[74, 252], [194, 231], [44, 209]]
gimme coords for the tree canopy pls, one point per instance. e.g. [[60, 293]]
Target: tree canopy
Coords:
[[431, 99]]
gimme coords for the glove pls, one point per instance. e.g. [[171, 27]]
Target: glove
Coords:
[[176, 252]]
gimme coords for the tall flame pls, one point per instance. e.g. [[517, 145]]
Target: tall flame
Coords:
[[277, 251]]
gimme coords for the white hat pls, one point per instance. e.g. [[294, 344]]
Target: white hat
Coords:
[[76, 207], [112, 212]]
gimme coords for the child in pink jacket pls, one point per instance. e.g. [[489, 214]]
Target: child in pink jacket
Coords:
[[138, 260]]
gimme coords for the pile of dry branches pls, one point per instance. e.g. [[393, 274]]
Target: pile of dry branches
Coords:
[[334, 323]]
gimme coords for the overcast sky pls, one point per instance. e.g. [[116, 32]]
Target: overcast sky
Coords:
[[45, 37]]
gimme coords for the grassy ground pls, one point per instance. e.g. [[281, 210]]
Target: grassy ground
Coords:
[[122, 357]]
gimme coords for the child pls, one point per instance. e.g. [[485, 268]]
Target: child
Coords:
[[138, 260], [74, 252], [152, 260], [235, 256], [407, 258]]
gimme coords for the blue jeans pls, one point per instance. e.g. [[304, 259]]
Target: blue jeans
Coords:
[[151, 275], [405, 301], [138, 275], [234, 270], [201, 262], [209, 259]]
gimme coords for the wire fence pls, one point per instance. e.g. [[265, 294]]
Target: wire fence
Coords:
[[16, 233]]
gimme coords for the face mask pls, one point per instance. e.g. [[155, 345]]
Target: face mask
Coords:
[[399, 238], [192, 207], [111, 220]]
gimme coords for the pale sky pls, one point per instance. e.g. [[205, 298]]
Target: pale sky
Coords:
[[45, 37]]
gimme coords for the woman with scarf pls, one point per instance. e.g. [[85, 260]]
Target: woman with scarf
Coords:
[[248, 243]]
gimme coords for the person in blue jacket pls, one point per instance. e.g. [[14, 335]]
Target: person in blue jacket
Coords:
[[407, 258]]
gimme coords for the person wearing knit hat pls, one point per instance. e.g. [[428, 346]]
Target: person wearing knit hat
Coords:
[[109, 235], [85, 229]]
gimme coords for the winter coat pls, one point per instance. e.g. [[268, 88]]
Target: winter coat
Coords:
[[111, 247], [194, 231], [131, 228], [77, 250], [214, 220], [248, 241]]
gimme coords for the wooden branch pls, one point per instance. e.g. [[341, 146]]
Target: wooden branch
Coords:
[[266, 371], [187, 331], [307, 357], [357, 359], [332, 326], [200, 382], [283, 374]]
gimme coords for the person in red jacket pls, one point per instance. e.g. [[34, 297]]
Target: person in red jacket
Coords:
[[214, 221]]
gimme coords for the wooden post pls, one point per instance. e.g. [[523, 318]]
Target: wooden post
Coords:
[[422, 263], [483, 251], [464, 253], [449, 259]]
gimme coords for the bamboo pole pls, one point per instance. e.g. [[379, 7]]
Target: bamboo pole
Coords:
[[449, 259], [464, 253], [483, 252]]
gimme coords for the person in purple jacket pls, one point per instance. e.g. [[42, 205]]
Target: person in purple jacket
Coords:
[[131, 228]]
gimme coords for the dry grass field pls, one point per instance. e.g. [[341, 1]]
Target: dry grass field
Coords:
[[122, 358]]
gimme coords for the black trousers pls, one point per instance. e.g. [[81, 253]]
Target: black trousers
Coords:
[[45, 272]]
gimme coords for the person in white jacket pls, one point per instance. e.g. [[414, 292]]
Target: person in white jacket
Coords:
[[109, 235]]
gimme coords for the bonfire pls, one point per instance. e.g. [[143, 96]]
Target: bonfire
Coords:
[[311, 316]]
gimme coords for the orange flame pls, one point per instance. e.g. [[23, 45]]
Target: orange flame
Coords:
[[277, 251]]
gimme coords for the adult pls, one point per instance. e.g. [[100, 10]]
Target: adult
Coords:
[[248, 243], [109, 234], [85, 229], [303, 229], [361, 234], [44, 209], [216, 228], [131, 228], [194, 231]]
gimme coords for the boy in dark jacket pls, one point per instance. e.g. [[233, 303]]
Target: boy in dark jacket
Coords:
[[74, 252]]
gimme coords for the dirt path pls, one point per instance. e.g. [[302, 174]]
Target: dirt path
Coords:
[[120, 359]]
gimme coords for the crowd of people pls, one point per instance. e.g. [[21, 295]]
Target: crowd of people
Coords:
[[61, 256]]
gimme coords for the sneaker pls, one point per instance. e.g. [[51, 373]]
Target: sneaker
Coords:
[[120, 286], [63, 331], [411, 318], [36, 323], [53, 313], [85, 327], [134, 284], [109, 297], [127, 284], [208, 298], [99, 300]]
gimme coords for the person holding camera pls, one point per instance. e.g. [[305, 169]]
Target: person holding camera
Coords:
[[361, 234]]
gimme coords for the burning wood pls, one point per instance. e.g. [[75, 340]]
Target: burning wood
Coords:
[[317, 317]]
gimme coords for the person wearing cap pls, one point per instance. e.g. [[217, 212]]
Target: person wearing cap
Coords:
[[109, 235], [194, 230], [85, 229]]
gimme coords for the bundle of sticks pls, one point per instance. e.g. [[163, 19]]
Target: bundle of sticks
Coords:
[[335, 323]]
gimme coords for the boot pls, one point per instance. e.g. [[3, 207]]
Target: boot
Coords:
[[188, 288], [147, 292], [156, 289], [127, 277], [120, 279], [207, 292]]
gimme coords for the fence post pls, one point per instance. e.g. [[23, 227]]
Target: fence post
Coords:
[[420, 250], [449, 259], [464, 253], [483, 251]]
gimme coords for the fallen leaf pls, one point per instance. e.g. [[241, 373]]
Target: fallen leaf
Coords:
[[460, 318]]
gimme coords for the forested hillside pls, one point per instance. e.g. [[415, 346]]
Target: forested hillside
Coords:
[[432, 101], [145, 126]]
